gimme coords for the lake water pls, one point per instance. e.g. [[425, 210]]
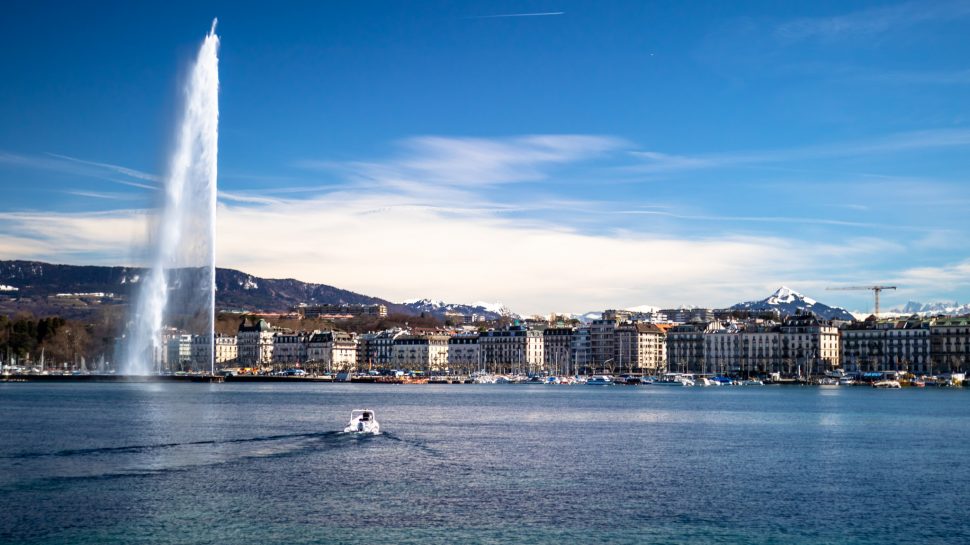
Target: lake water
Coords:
[[263, 463]]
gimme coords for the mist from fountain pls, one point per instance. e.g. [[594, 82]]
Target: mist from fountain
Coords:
[[178, 290]]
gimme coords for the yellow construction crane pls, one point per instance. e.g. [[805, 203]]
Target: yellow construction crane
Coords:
[[876, 290]]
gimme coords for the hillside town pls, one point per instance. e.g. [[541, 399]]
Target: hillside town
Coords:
[[702, 341]]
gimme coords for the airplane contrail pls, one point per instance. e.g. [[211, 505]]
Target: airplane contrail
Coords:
[[539, 14]]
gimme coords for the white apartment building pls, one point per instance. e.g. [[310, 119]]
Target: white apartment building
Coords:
[[463, 352], [255, 344], [227, 351], [289, 348], [811, 343], [515, 349], [420, 352], [331, 351], [640, 348]]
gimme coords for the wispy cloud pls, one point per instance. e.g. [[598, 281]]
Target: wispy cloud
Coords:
[[100, 195], [54, 162], [780, 219], [475, 162], [870, 22], [947, 138], [137, 174]]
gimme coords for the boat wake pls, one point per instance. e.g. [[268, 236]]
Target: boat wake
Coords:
[[32, 468], [156, 446]]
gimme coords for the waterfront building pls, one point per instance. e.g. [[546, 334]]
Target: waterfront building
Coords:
[[722, 347], [227, 351], [515, 349], [383, 347], [179, 352], [950, 345], [640, 348], [603, 342], [290, 348], [255, 344], [557, 350], [685, 348], [582, 349], [331, 351], [463, 352], [366, 349], [427, 352], [908, 345], [888, 344], [761, 350], [813, 344]]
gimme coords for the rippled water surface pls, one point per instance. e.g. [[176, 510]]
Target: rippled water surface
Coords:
[[230, 463]]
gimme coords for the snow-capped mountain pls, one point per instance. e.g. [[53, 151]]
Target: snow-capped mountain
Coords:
[[946, 308], [788, 301], [491, 311]]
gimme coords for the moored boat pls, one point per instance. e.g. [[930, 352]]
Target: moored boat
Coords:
[[675, 379], [600, 380]]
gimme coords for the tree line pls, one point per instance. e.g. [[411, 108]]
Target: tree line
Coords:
[[25, 338]]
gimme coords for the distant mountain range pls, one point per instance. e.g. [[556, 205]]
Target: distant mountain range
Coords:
[[787, 302], [946, 308], [784, 300], [34, 284], [491, 311]]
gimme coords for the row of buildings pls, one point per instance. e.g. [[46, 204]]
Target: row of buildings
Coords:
[[800, 344]]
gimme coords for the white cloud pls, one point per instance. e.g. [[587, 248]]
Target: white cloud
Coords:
[[423, 223], [389, 247]]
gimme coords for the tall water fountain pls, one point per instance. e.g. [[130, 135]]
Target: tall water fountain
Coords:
[[178, 291]]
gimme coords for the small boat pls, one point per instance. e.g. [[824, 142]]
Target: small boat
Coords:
[[600, 380], [886, 384], [363, 421], [675, 379]]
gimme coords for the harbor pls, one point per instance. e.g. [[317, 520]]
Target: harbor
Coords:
[[884, 379]]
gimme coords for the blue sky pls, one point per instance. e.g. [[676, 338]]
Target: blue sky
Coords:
[[554, 155]]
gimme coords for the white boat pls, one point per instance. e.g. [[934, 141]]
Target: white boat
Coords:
[[675, 379], [484, 378], [600, 380], [752, 382], [886, 384], [363, 421]]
